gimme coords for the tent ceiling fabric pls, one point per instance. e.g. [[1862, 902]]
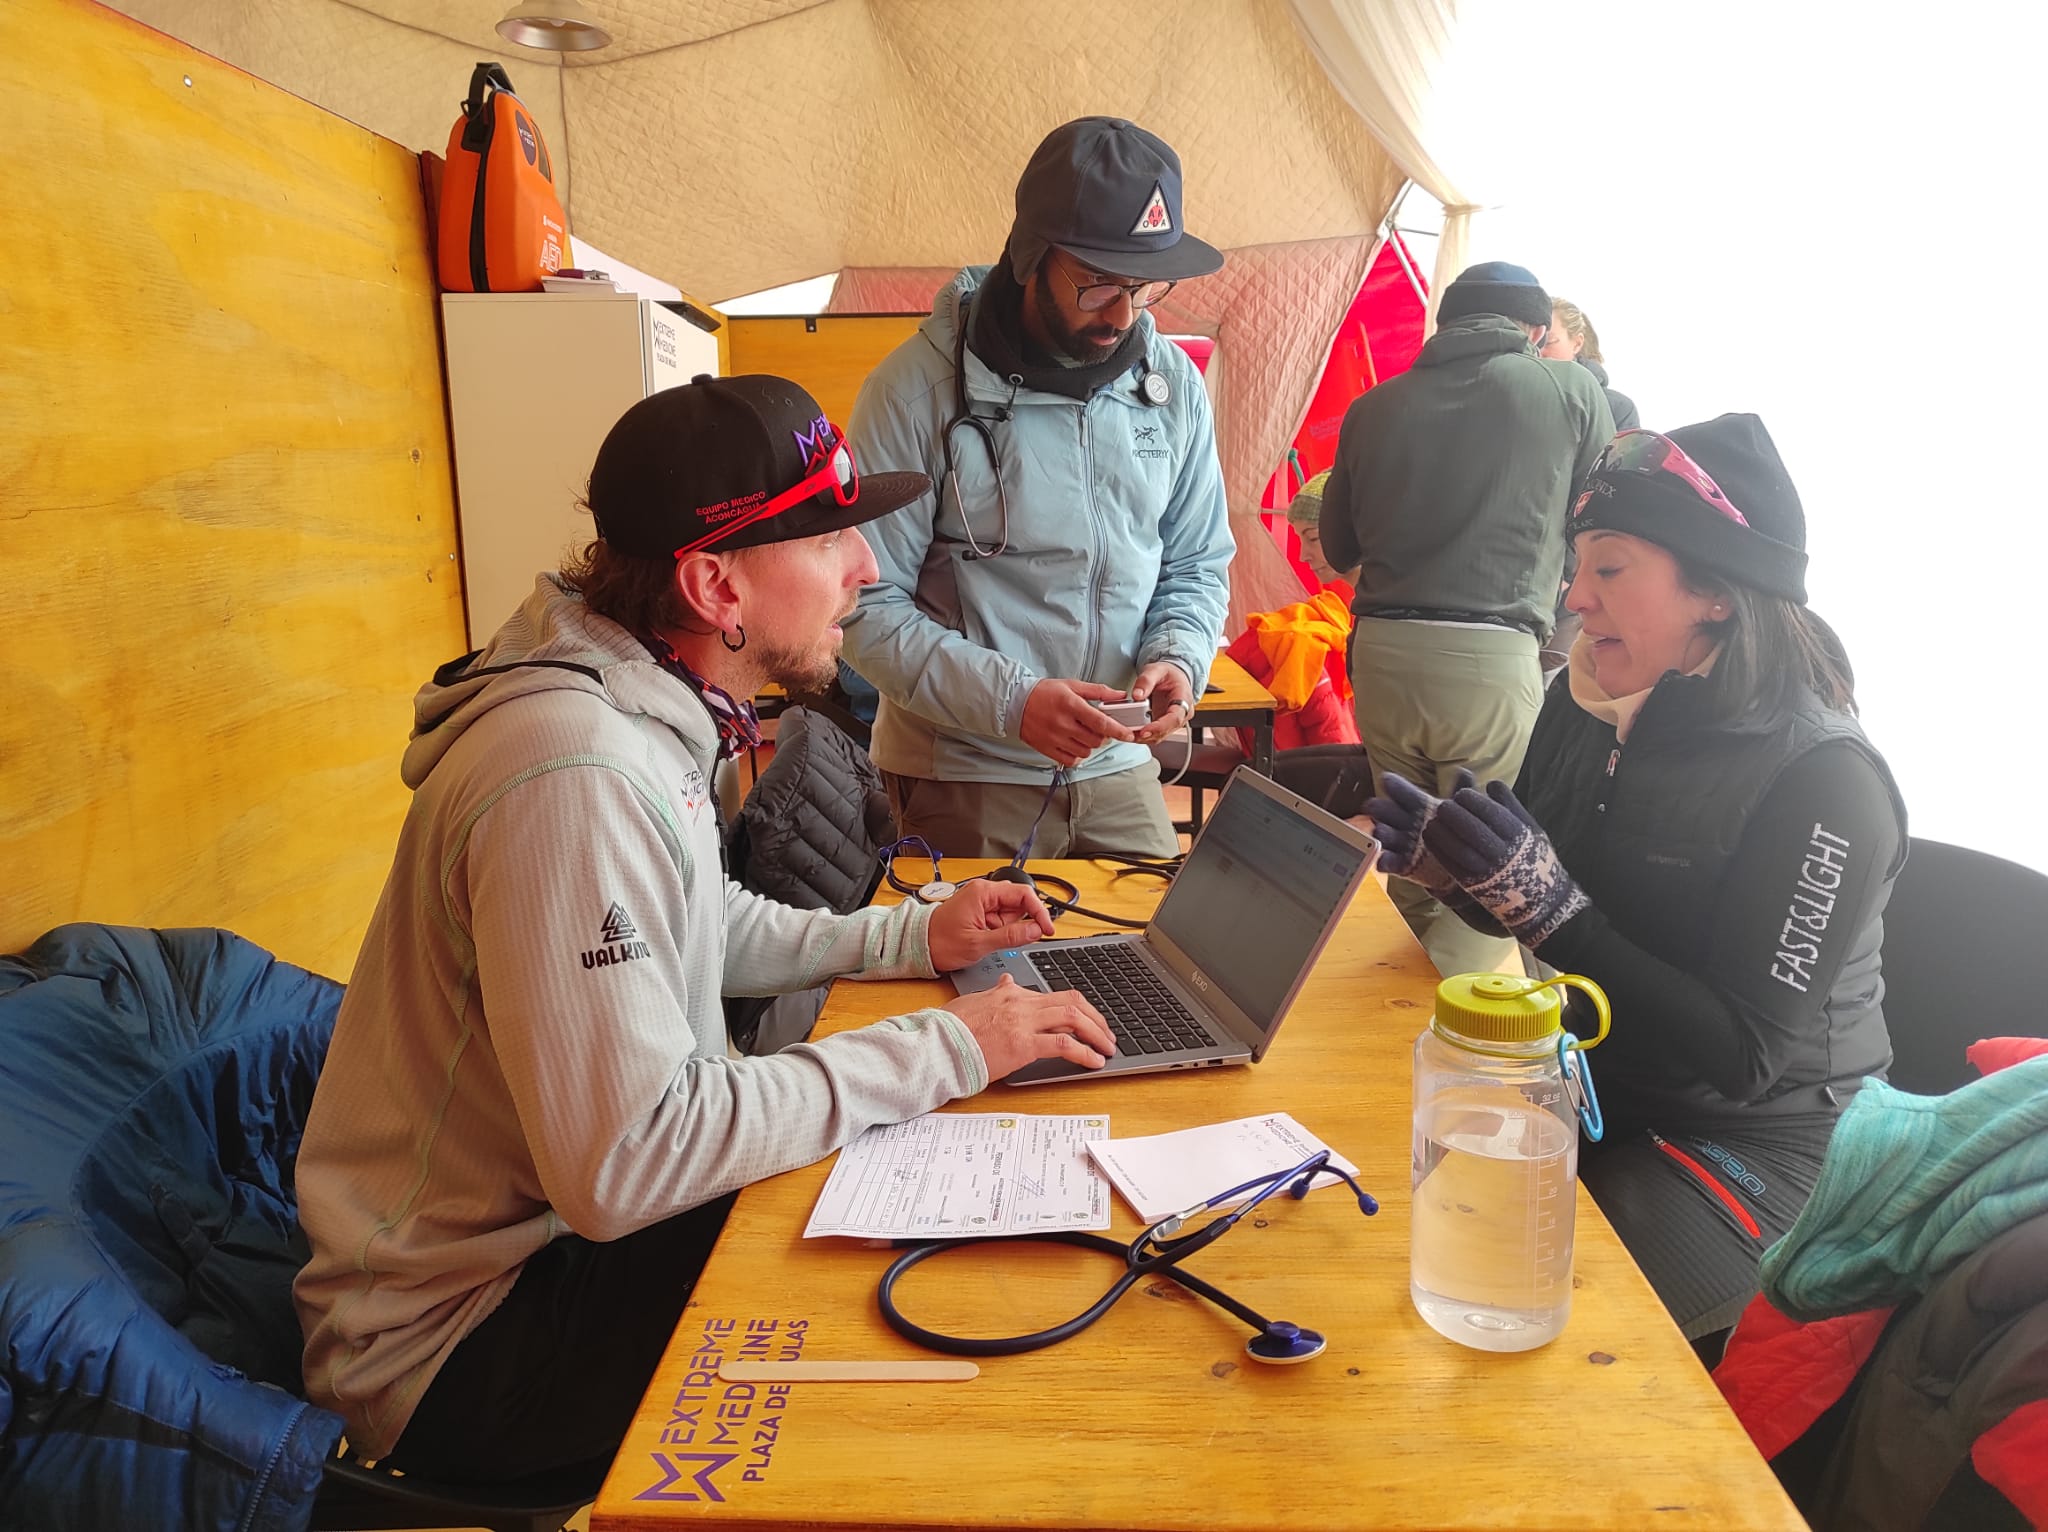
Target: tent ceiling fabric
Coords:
[[731, 145], [637, 26], [401, 81]]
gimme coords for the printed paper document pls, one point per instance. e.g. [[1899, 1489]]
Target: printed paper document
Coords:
[[1166, 1172], [952, 1174]]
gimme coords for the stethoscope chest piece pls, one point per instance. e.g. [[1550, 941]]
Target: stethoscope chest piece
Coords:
[[1282, 1345], [938, 891], [1153, 388]]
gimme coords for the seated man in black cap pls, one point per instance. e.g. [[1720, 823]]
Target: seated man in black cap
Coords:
[[1449, 495], [528, 1127], [1077, 547]]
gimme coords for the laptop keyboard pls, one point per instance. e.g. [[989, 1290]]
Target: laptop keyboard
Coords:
[[1142, 1012]]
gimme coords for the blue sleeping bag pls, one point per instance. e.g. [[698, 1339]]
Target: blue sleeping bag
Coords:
[[153, 1089]]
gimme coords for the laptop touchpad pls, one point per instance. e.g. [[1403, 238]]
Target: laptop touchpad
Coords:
[[1046, 1069]]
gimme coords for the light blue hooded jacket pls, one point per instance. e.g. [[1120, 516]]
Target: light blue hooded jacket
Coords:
[[1119, 551]]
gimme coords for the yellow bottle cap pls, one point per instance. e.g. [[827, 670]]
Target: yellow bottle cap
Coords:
[[1500, 1008]]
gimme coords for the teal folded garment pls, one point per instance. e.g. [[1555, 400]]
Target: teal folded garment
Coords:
[[1912, 1185]]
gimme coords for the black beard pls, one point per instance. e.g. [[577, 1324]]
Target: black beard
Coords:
[[1065, 338]]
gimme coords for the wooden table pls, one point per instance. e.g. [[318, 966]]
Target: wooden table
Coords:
[[1240, 702], [1155, 1418]]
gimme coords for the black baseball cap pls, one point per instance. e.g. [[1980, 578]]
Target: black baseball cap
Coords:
[[1108, 193], [713, 453]]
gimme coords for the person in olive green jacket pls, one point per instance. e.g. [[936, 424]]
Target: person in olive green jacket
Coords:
[[1449, 495]]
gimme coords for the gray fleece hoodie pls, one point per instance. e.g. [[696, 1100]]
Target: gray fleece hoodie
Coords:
[[532, 1042]]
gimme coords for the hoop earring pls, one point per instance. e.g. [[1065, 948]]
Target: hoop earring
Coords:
[[726, 639]]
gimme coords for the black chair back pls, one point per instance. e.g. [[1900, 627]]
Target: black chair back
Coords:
[[1959, 936], [1336, 778], [1333, 777]]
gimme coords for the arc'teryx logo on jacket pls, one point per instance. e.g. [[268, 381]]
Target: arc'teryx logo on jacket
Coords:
[[620, 941]]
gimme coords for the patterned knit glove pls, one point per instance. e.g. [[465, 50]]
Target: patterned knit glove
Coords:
[[1400, 820], [1502, 858]]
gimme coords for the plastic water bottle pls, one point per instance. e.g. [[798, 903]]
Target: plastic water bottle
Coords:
[[1498, 1104]]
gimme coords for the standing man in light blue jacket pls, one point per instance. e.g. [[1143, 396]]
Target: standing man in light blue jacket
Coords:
[[1075, 548]]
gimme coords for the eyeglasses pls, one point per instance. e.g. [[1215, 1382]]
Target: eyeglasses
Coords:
[[1094, 297], [834, 469], [1647, 452]]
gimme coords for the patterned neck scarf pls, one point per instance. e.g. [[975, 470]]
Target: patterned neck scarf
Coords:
[[739, 726]]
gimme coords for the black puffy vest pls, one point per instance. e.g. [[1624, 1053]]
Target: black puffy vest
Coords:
[[812, 829], [1650, 839], [810, 835]]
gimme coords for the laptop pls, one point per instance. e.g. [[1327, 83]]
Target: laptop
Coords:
[[1210, 979]]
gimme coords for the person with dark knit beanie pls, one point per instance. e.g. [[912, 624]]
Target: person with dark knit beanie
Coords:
[[1449, 494], [1703, 829], [1495, 287]]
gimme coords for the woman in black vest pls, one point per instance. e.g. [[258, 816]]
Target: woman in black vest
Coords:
[[1702, 828]]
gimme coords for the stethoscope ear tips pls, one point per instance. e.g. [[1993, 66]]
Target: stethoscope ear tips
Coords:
[[1281, 1344], [1367, 1203]]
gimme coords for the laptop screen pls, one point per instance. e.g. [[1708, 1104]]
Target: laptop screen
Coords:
[[1256, 896]]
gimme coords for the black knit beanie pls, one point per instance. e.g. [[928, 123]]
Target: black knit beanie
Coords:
[[1737, 453], [1495, 287]]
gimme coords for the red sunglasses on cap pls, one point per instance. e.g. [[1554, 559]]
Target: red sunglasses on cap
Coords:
[[837, 472]]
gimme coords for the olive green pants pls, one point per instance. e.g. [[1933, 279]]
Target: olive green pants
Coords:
[[1124, 811], [1431, 699]]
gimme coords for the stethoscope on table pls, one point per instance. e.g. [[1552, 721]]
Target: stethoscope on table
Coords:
[[1162, 1247], [1153, 389], [1157, 1252], [1059, 894]]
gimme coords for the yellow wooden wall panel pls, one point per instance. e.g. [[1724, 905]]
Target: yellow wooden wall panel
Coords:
[[831, 361], [227, 527]]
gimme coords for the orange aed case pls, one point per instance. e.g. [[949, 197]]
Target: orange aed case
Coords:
[[501, 227]]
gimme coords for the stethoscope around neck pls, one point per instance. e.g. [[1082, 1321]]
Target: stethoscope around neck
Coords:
[[1157, 1252], [1153, 389]]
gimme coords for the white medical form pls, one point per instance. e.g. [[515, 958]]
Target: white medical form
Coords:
[[952, 1174]]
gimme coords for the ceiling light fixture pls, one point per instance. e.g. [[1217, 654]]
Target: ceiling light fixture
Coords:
[[554, 25]]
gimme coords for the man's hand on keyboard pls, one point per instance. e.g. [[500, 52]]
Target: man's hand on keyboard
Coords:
[[1015, 1026], [984, 916]]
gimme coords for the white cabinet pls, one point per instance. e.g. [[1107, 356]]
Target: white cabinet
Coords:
[[535, 380]]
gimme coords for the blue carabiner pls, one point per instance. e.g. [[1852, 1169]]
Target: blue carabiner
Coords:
[[1578, 1072]]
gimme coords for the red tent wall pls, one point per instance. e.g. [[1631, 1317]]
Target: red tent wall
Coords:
[[1378, 340]]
